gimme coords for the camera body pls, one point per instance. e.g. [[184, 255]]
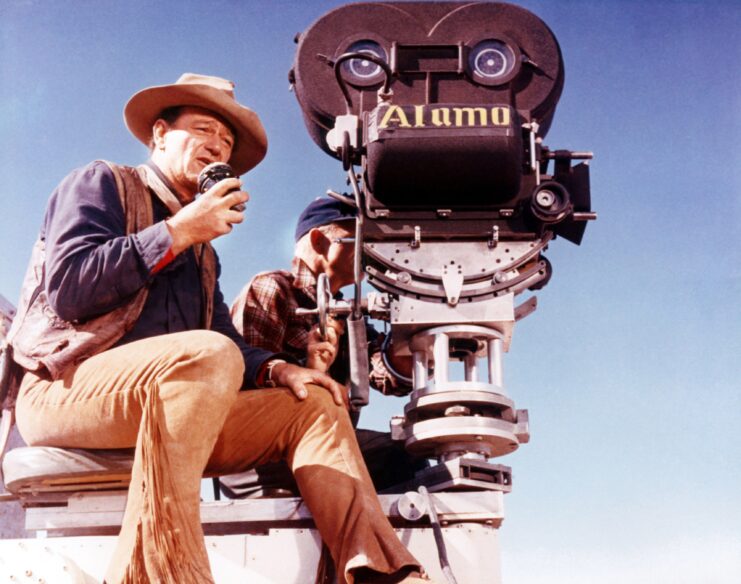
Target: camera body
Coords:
[[453, 123]]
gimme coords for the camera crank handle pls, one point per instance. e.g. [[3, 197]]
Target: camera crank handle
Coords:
[[323, 303], [327, 307]]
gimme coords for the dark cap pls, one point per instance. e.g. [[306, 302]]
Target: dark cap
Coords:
[[323, 211]]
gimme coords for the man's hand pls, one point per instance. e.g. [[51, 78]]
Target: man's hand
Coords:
[[321, 353], [208, 216], [296, 378]]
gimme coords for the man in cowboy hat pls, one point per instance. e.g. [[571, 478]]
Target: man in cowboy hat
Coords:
[[126, 342]]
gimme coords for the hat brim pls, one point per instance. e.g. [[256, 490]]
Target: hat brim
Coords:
[[251, 143]]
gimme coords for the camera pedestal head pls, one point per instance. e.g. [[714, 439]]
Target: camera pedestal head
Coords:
[[445, 418]]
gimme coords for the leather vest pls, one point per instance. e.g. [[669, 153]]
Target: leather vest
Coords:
[[41, 340]]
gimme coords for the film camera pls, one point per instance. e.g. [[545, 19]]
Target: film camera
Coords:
[[437, 111]]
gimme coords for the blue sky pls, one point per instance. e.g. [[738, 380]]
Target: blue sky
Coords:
[[629, 368]]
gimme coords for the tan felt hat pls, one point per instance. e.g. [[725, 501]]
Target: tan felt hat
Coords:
[[212, 93]]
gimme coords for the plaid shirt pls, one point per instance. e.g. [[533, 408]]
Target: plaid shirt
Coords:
[[264, 314]]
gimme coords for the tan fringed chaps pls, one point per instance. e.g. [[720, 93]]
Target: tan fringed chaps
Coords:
[[176, 398]]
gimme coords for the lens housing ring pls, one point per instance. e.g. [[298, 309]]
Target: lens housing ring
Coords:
[[357, 72], [493, 59]]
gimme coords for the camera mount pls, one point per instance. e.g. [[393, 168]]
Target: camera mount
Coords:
[[444, 107]]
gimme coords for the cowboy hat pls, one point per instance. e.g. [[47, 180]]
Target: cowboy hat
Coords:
[[212, 93]]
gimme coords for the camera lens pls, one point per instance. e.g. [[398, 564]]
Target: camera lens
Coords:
[[364, 70], [492, 61]]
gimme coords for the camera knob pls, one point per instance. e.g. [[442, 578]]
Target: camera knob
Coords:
[[550, 202]]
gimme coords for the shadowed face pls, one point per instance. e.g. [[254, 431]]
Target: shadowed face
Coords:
[[185, 146], [340, 258]]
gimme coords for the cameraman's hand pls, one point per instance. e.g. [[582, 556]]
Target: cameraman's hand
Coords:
[[295, 378], [208, 216], [321, 353]]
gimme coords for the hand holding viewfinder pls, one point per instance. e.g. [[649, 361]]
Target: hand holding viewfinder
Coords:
[[213, 213], [215, 173]]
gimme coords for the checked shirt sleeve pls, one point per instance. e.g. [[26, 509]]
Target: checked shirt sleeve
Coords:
[[261, 313]]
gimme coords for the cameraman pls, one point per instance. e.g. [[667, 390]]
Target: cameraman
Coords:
[[264, 313]]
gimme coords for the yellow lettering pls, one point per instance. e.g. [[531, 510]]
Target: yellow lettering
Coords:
[[400, 119], [500, 116], [471, 116], [441, 116], [459, 117]]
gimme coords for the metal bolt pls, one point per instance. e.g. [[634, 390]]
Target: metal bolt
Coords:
[[545, 198], [494, 236], [457, 411], [417, 237]]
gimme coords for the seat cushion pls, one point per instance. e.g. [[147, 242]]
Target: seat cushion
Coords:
[[34, 469]]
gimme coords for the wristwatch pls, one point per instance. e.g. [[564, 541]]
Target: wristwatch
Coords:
[[269, 382]]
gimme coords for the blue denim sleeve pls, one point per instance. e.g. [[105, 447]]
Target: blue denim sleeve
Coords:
[[92, 266]]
